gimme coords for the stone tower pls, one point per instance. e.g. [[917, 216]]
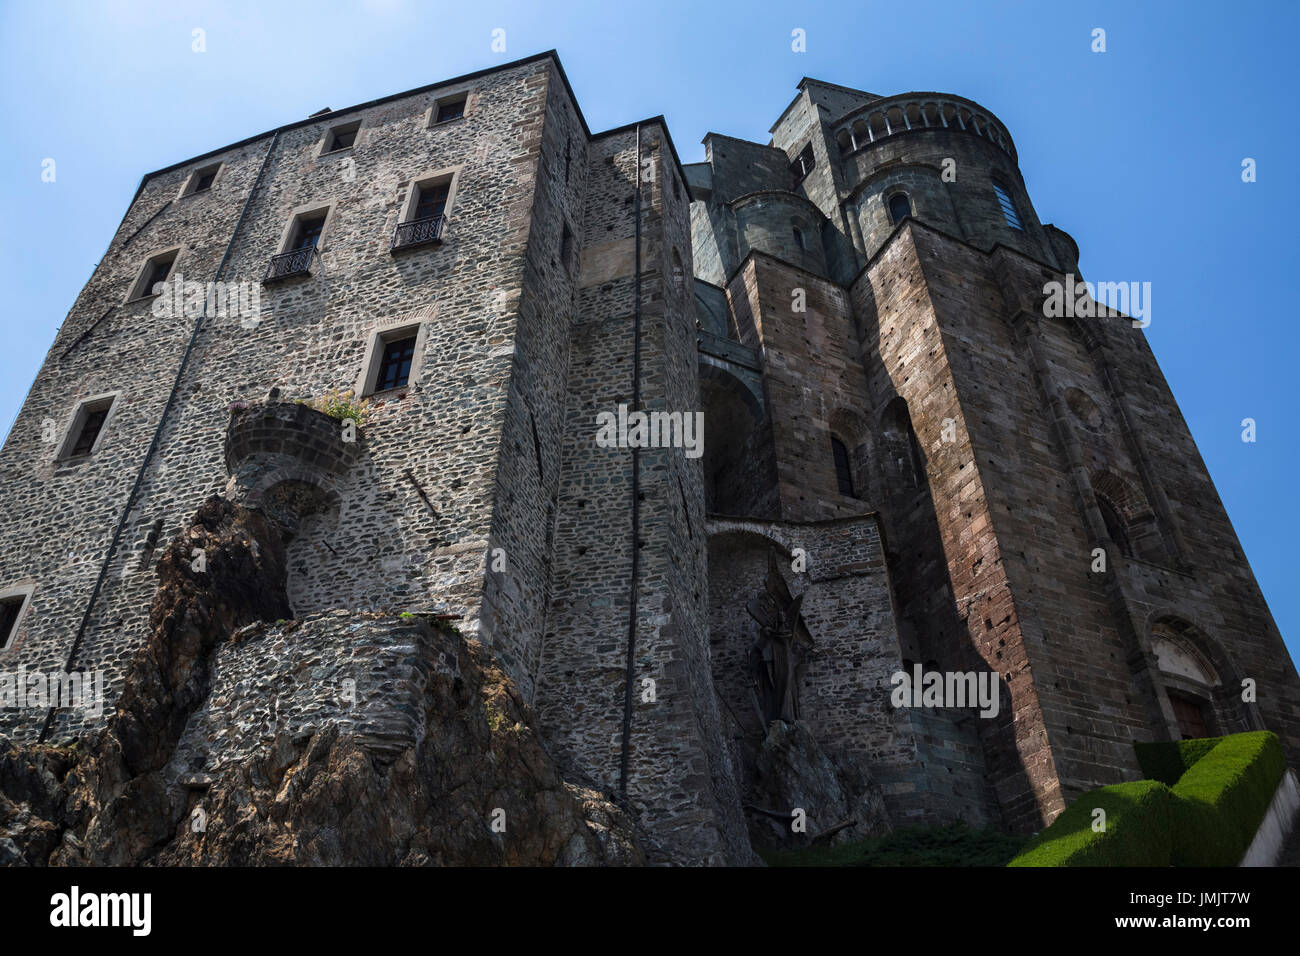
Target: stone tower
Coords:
[[906, 461], [871, 289]]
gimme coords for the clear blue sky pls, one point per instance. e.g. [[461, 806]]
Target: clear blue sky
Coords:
[[1136, 152]]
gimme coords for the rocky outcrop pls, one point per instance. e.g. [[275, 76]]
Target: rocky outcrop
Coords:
[[793, 772], [243, 738]]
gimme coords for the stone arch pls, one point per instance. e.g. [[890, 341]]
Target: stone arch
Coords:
[[307, 512], [1198, 677], [268, 494], [739, 461], [711, 310], [1130, 520], [899, 204], [850, 428], [929, 200]]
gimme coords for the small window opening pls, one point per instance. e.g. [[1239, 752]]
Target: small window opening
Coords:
[[343, 137], [843, 473], [308, 231], [900, 207], [395, 366], [802, 165], [156, 271], [566, 246], [86, 427], [1115, 528], [10, 610], [1008, 207], [450, 110]]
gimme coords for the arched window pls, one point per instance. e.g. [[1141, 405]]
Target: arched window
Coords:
[[798, 237], [1008, 207], [843, 473], [900, 207]]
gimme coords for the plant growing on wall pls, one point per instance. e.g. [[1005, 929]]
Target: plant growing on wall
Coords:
[[340, 405]]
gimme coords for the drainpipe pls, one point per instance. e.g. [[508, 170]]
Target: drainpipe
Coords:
[[157, 435], [629, 675]]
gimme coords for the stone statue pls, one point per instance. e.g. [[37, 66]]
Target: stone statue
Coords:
[[778, 657]]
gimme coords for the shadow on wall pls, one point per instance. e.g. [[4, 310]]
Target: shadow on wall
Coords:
[[739, 457]]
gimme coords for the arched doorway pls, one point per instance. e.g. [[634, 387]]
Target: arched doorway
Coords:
[[1198, 681], [739, 460]]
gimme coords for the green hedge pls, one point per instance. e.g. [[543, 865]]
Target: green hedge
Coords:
[[1202, 808], [1167, 761], [1222, 798], [1137, 830]]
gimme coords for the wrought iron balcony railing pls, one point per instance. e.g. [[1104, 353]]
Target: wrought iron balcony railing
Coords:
[[418, 232], [295, 263]]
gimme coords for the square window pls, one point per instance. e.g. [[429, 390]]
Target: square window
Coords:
[[393, 359], [156, 270], [308, 231], [298, 254], [201, 180], [449, 110], [87, 426], [342, 137], [395, 364], [431, 200]]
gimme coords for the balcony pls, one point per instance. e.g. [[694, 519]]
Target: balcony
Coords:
[[290, 264], [418, 232]]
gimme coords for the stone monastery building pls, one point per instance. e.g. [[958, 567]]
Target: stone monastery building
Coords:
[[908, 462]]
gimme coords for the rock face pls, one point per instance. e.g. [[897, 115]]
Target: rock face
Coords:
[[791, 771], [245, 739]]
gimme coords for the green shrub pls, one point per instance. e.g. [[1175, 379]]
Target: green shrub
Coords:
[[340, 405], [1202, 808], [1222, 798], [1167, 761], [1137, 830]]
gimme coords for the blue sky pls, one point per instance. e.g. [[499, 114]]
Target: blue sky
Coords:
[[1136, 152]]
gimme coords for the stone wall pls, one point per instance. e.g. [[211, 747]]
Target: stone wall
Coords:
[[991, 450], [400, 548]]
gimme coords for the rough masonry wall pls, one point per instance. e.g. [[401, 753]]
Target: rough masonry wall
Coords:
[[812, 377], [963, 612], [967, 207], [680, 782], [528, 469], [311, 336]]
